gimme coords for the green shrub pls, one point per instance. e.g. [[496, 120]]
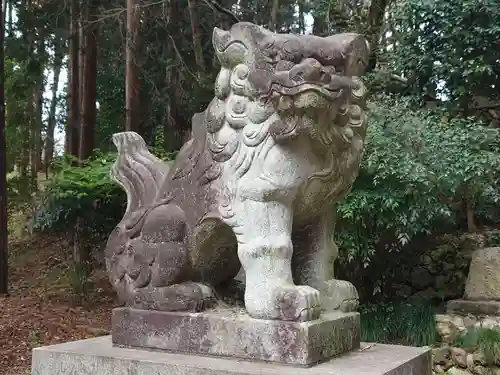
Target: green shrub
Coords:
[[485, 340], [418, 170], [405, 324], [86, 193]]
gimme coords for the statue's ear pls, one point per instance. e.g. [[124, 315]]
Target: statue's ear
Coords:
[[356, 50], [220, 38]]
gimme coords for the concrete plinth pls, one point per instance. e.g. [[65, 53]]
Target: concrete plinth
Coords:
[[99, 357], [232, 333]]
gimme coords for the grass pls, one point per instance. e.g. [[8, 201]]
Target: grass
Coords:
[[485, 340], [403, 324]]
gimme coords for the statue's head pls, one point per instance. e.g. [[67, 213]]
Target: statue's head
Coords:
[[310, 82]]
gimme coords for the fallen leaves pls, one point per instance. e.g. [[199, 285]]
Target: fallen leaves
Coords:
[[36, 314]]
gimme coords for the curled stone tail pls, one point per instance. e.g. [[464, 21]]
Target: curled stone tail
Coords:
[[137, 170]]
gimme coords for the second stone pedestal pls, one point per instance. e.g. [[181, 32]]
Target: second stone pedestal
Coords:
[[232, 333]]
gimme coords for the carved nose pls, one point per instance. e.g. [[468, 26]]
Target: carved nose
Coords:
[[220, 38]]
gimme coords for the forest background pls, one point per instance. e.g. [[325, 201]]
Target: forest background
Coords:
[[77, 71]]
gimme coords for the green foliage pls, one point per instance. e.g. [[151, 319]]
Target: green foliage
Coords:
[[486, 340], [494, 237], [78, 279], [448, 46], [404, 324], [86, 193], [35, 339], [418, 169]]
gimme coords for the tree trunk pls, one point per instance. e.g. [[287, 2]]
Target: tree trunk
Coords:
[[320, 28], [38, 106], [36, 152], [4, 265], [375, 22], [132, 101], [469, 211], [175, 124], [81, 68], [72, 130], [89, 85], [51, 125], [302, 21], [196, 33], [5, 4], [273, 21], [29, 36], [9, 9]]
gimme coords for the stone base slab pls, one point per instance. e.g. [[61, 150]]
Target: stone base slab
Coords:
[[99, 357], [466, 307], [232, 333]]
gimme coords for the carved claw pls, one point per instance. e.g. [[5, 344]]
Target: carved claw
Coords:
[[339, 295], [298, 303], [285, 302]]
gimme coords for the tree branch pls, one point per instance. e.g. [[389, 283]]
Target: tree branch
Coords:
[[216, 6]]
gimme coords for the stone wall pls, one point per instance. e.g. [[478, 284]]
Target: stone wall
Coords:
[[450, 326], [456, 361], [435, 271], [451, 360]]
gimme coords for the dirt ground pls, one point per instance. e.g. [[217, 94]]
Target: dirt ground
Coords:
[[46, 305]]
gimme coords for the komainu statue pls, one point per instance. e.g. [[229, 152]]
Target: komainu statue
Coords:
[[256, 187]]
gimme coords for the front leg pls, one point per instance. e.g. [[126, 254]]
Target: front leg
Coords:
[[313, 263], [265, 251]]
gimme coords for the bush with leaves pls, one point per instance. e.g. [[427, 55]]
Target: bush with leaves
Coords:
[[84, 193], [421, 174], [448, 47]]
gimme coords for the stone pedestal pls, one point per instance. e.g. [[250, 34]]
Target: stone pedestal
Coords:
[[99, 357], [482, 289], [479, 308], [232, 333], [483, 282]]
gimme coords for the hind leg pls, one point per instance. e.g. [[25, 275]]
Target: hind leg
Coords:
[[313, 264], [159, 265]]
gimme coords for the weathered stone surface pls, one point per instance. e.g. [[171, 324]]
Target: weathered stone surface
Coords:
[[457, 371], [479, 308], [421, 278], [483, 282], [459, 357], [449, 327], [98, 357], [442, 357], [277, 147], [233, 333]]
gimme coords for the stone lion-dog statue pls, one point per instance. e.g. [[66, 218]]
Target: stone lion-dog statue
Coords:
[[255, 187]]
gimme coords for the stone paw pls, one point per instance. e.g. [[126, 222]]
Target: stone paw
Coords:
[[188, 296], [298, 303], [339, 295]]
